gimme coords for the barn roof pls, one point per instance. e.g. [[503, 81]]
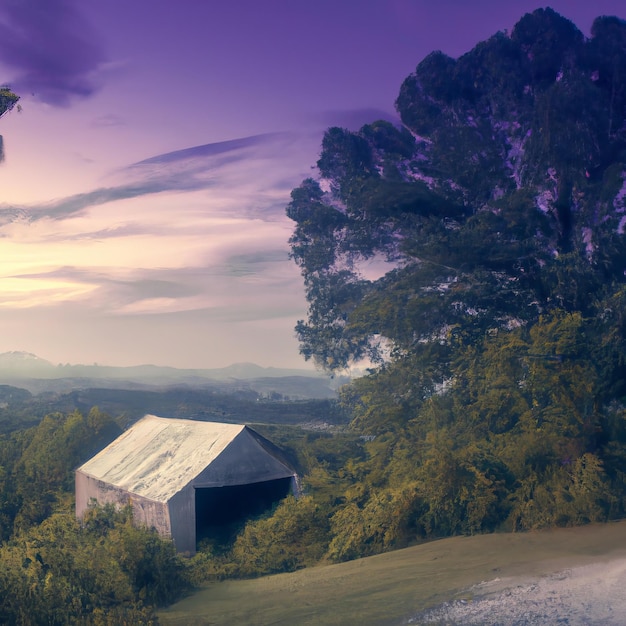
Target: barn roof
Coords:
[[157, 457]]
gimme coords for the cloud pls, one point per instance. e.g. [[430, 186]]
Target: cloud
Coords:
[[53, 51], [212, 149], [235, 166], [110, 232], [253, 262], [256, 285], [76, 204]]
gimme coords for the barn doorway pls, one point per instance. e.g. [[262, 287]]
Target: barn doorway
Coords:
[[222, 511]]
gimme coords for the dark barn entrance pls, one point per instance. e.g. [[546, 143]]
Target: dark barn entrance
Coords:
[[221, 511]]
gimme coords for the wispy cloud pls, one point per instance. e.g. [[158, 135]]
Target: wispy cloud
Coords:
[[187, 170], [212, 149], [203, 228], [53, 51], [260, 168], [257, 285]]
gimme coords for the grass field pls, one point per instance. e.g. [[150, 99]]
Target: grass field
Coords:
[[387, 588]]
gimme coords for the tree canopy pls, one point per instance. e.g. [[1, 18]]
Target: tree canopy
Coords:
[[499, 198]]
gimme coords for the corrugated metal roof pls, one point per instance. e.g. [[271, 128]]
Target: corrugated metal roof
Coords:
[[157, 456]]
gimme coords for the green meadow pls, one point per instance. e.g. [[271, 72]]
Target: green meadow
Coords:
[[389, 588]]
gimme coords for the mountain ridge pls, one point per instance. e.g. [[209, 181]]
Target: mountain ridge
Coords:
[[26, 370], [17, 362]]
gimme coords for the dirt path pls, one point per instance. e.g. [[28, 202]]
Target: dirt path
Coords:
[[588, 595]]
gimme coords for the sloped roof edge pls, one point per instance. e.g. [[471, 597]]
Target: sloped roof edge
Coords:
[[158, 456], [248, 458]]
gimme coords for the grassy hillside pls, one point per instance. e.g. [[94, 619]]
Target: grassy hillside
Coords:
[[387, 588]]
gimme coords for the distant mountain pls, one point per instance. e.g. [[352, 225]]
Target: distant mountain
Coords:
[[26, 370], [18, 362]]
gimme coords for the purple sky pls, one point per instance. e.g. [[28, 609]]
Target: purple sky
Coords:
[[142, 217]]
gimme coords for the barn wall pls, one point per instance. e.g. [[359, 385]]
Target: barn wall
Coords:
[[151, 514], [82, 494], [88, 489], [182, 511], [145, 512]]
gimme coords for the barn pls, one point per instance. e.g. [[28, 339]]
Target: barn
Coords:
[[183, 476]]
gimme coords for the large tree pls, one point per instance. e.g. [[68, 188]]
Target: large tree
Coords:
[[498, 198]]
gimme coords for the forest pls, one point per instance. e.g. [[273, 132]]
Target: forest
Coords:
[[495, 341]]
